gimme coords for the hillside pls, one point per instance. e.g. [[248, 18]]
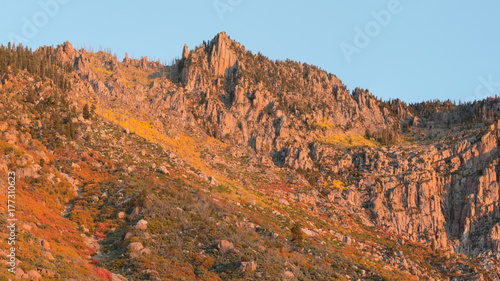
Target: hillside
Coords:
[[227, 165]]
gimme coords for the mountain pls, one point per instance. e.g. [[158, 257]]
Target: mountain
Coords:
[[226, 165]]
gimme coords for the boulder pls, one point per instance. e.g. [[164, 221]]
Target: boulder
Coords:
[[225, 247], [283, 201], [3, 126], [135, 246], [19, 273], [26, 173], [46, 272], [127, 236], [347, 240], [248, 266], [141, 225], [308, 232], [213, 181], [289, 275], [49, 256], [164, 170], [34, 275], [92, 243], [45, 244]]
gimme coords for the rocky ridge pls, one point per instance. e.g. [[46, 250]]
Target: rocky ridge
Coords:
[[387, 167]]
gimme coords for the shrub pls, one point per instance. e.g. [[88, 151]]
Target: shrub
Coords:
[[297, 234], [102, 273]]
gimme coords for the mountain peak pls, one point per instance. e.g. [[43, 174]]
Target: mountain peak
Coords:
[[221, 36], [221, 56]]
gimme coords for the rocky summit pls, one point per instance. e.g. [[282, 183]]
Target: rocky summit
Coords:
[[226, 165]]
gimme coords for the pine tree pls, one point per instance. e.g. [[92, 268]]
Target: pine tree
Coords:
[[86, 111], [70, 130]]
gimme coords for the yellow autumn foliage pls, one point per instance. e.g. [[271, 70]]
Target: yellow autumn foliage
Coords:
[[352, 140], [335, 184], [104, 71], [325, 125], [186, 147]]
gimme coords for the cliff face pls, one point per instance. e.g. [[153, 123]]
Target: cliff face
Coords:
[[441, 195], [397, 184]]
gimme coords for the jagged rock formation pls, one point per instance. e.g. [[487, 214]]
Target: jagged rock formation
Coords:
[[426, 193], [185, 52], [276, 108]]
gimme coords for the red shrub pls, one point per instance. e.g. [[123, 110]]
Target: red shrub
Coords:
[[102, 273]]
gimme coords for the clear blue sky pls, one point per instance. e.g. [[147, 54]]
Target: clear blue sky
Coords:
[[427, 50]]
